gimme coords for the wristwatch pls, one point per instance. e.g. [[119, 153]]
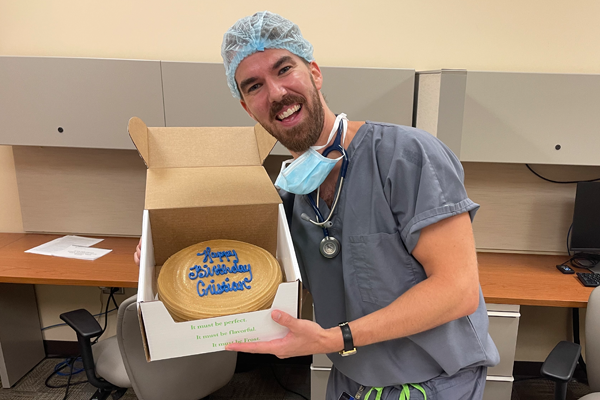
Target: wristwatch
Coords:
[[349, 348]]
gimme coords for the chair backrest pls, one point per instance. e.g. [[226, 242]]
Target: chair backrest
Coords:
[[592, 340], [185, 378]]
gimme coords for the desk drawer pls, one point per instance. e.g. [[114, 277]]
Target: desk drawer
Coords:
[[318, 382], [503, 330], [498, 388], [503, 307], [321, 360]]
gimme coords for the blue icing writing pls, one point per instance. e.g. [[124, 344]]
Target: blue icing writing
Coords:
[[209, 255], [204, 271], [222, 287]]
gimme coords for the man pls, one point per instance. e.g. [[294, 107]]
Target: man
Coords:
[[404, 287]]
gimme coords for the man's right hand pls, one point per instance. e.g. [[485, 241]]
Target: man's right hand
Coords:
[[138, 252]]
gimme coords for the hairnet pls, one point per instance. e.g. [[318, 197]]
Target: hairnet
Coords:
[[263, 30]]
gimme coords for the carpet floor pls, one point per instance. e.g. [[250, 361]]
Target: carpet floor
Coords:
[[256, 378]]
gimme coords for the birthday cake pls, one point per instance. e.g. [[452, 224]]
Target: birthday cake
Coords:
[[218, 277]]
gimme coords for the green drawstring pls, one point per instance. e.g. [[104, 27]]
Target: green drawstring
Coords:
[[378, 396], [404, 394]]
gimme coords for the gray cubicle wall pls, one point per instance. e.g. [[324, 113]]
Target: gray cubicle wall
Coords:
[[510, 117], [85, 179], [196, 94], [90, 100], [375, 94], [77, 170]]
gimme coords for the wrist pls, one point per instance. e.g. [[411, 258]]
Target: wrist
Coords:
[[349, 348]]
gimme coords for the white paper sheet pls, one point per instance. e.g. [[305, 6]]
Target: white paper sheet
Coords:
[[82, 253], [63, 243]]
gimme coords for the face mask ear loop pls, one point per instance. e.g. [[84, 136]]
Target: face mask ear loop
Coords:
[[338, 120], [285, 164]]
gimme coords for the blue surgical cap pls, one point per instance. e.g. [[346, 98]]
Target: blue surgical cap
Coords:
[[263, 30]]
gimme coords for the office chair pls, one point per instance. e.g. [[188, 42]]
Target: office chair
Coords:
[[120, 362], [562, 360]]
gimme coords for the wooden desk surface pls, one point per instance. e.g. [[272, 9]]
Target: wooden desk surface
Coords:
[[531, 280], [116, 269], [523, 279]]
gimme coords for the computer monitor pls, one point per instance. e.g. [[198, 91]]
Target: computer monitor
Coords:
[[585, 236]]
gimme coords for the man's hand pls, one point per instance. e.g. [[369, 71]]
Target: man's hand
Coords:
[[304, 338], [137, 253]]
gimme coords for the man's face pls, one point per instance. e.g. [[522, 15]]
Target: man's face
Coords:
[[281, 92]]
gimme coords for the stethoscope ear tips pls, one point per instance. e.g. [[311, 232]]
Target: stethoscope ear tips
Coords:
[[305, 217], [328, 224]]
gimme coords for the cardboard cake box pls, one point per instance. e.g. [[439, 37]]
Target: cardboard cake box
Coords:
[[203, 184]]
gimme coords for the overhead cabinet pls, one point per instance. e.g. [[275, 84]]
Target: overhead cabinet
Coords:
[[67, 120], [196, 94], [509, 117], [76, 102]]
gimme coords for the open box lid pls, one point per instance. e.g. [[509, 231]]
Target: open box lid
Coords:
[[205, 166]]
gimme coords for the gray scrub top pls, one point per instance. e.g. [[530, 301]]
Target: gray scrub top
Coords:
[[399, 180]]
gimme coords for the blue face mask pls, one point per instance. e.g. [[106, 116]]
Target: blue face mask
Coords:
[[307, 172]]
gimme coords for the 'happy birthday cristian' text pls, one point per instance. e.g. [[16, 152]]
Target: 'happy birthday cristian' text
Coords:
[[205, 270]]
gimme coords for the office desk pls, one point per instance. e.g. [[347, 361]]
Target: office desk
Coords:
[[506, 279], [529, 280], [21, 344]]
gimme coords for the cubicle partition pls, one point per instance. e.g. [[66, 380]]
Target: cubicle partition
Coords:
[[77, 170], [75, 164], [510, 117]]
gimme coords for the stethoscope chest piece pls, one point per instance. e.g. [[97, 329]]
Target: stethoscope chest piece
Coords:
[[329, 247]]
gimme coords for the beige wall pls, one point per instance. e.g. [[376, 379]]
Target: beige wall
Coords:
[[512, 35], [534, 36]]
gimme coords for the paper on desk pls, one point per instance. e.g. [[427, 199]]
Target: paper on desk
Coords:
[[48, 249], [82, 253]]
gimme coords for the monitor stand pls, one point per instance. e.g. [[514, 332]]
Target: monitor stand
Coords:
[[596, 269]]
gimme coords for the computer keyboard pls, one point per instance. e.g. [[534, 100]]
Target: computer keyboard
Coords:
[[589, 279]]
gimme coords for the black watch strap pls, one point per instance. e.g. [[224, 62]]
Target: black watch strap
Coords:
[[349, 348]]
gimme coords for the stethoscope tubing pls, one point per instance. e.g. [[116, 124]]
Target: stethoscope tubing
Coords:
[[321, 221]]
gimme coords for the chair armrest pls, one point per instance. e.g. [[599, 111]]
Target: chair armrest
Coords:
[[82, 322], [561, 362]]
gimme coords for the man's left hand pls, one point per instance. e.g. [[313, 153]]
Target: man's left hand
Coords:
[[304, 338]]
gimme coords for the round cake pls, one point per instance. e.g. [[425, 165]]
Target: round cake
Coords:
[[218, 277]]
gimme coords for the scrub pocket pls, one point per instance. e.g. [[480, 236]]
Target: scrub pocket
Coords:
[[382, 267]]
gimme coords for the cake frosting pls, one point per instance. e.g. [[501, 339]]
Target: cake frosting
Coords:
[[218, 277]]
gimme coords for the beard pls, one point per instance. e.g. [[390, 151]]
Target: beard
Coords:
[[300, 137]]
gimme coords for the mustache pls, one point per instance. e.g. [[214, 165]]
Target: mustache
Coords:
[[287, 100]]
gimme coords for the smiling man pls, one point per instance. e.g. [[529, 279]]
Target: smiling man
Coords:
[[391, 260]]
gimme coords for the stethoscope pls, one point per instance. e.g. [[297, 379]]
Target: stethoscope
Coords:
[[329, 246]]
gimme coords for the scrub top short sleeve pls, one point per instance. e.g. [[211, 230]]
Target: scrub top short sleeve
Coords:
[[423, 183]]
